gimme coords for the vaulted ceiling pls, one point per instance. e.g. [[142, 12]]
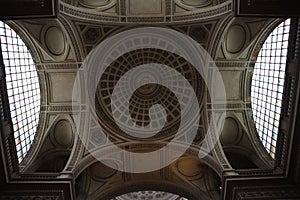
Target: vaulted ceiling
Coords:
[[61, 45]]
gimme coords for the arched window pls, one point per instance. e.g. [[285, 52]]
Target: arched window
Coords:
[[267, 85], [22, 88]]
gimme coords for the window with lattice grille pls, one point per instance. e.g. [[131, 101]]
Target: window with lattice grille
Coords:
[[267, 85], [23, 88]]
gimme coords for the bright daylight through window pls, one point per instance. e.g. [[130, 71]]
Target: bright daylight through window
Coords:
[[22, 87], [267, 85]]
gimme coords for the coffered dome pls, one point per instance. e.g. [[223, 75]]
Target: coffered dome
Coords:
[[147, 95]]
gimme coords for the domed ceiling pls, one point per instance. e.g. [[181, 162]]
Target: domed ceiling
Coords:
[[81, 27], [147, 95]]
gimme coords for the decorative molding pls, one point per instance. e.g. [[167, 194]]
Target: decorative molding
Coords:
[[232, 64], [29, 197], [218, 10], [76, 12], [169, 6], [57, 108], [70, 31], [227, 106], [42, 33], [273, 192], [219, 35], [255, 172], [194, 15], [75, 156], [58, 66]]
